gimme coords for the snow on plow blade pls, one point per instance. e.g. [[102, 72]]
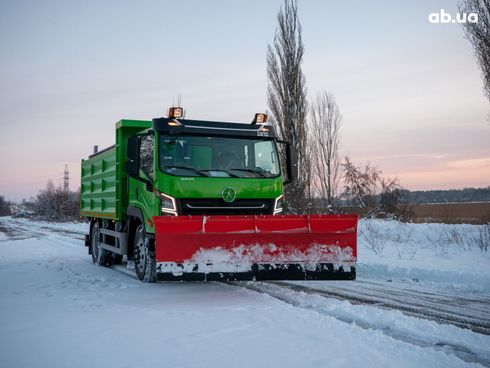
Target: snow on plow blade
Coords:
[[281, 247]]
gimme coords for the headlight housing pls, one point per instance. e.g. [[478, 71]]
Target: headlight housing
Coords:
[[278, 203], [168, 204]]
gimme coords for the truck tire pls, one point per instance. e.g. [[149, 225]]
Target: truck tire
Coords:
[[144, 258], [100, 256]]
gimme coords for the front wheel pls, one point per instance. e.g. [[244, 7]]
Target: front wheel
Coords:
[[144, 257]]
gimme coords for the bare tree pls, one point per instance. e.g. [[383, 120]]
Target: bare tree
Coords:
[[286, 95], [55, 204], [375, 195], [361, 187], [326, 121], [478, 33], [393, 200], [308, 171]]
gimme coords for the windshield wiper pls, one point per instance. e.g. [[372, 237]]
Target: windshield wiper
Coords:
[[252, 171], [187, 168]]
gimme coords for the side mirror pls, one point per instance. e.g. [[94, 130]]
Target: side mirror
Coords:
[[291, 163], [132, 166]]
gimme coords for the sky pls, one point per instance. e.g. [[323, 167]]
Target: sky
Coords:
[[410, 91]]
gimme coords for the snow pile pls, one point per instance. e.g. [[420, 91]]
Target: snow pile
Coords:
[[438, 253], [241, 258]]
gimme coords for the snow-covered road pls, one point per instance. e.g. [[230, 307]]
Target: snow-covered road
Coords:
[[57, 309], [466, 311]]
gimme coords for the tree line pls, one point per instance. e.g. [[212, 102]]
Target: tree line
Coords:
[[451, 195], [53, 203]]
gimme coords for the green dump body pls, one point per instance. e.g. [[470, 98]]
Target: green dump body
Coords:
[[103, 189]]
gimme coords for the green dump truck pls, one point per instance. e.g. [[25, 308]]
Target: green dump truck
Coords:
[[202, 200]]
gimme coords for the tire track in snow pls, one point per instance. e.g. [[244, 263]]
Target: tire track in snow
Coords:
[[413, 303], [17, 230], [295, 296]]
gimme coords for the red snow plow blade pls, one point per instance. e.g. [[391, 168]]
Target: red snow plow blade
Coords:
[[281, 247]]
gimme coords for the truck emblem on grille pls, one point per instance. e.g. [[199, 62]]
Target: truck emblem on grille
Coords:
[[228, 194]]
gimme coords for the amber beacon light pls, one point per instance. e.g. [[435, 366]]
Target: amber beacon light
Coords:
[[175, 112]]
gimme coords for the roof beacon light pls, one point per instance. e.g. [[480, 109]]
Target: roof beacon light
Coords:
[[175, 112], [259, 118]]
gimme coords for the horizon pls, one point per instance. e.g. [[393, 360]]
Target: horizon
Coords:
[[410, 92], [71, 189]]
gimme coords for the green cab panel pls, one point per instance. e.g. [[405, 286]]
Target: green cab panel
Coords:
[[208, 187]]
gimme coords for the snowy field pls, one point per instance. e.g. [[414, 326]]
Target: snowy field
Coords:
[[422, 299]]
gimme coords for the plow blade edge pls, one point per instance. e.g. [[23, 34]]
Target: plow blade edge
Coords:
[[281, 247]]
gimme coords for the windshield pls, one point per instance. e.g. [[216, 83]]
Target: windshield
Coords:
[[188, 155]]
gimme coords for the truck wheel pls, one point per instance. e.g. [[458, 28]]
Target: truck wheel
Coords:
[[100, 256], [144, 258]]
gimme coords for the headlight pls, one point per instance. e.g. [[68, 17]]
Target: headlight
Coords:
[[278, 203], [168, 204]]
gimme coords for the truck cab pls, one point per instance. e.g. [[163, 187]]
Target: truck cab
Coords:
[[194, 167]]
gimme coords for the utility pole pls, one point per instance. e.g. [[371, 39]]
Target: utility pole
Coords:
[[66, 180]]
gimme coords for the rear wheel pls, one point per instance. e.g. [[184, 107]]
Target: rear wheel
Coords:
[[144, 257], [100, 256]]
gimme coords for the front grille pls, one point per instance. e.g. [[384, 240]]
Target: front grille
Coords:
[[217, 206]]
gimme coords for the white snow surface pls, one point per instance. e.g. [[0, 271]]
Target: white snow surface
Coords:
[[72, 226], [57, 309]]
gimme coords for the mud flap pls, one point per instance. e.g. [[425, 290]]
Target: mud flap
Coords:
[[87, 243]]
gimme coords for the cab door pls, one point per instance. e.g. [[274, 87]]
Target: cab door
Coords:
[[139, 194]]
